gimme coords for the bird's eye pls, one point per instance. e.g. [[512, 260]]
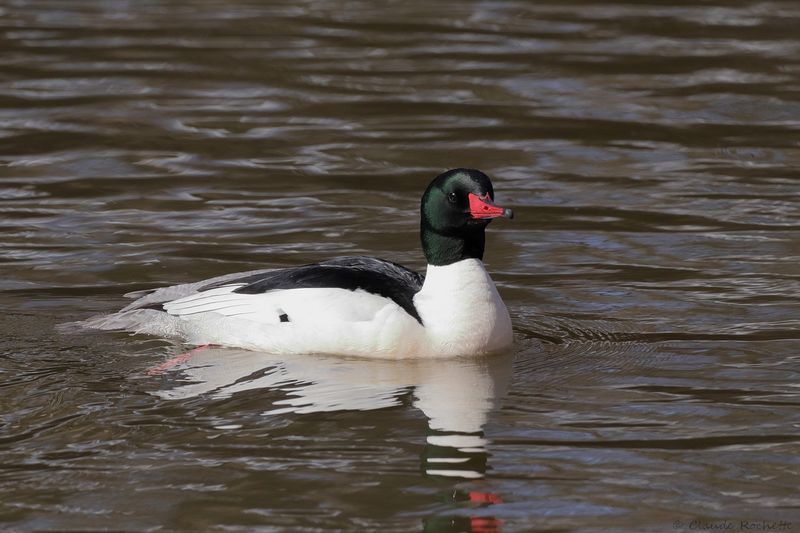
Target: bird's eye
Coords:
[[452, 197]]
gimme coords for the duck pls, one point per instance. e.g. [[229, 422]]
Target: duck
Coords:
[[352, 306]]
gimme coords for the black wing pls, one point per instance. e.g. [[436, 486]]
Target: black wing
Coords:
[[376, 276]]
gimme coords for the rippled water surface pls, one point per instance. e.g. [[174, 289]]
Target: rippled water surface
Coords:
[[649, 149]]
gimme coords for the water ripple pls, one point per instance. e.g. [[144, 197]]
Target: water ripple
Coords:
[[649, 152]]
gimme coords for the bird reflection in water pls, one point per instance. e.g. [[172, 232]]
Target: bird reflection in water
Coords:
[[456, 396]]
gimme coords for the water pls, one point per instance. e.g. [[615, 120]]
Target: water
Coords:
[[650, 153]]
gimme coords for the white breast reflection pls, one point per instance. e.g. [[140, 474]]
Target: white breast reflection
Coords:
[[456, 395]]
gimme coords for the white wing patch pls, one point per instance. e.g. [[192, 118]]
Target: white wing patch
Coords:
[[203, 302], [307, 305]]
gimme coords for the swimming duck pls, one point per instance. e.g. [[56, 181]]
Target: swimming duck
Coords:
[[358, 306]]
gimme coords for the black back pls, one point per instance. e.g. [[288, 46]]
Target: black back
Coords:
[[376, 276]]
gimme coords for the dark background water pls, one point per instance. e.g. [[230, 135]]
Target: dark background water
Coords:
[[649, 149]]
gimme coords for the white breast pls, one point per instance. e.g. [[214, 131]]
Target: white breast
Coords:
[[462, 311]]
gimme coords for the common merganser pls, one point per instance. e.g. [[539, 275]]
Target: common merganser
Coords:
[[358, 306]]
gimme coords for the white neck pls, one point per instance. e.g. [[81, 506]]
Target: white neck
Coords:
[[462, 311]]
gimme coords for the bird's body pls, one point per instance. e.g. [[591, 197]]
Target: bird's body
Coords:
[[357, 306]]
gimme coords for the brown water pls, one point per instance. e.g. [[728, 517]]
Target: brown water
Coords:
[[649, 150]]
